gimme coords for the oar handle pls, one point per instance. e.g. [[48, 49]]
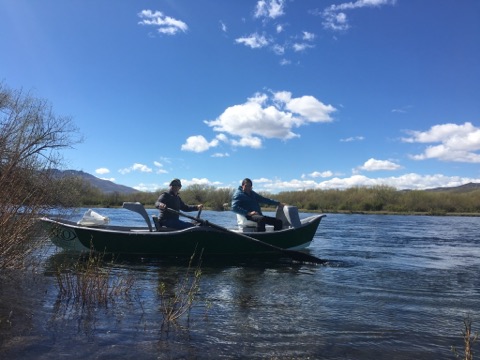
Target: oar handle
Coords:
[[183, 214]]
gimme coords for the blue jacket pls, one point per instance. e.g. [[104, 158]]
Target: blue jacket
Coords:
[[242, 203]]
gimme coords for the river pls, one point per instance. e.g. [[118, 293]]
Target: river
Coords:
[[394, 287]]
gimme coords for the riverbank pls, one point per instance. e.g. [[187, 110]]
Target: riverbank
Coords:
[[346, 212]]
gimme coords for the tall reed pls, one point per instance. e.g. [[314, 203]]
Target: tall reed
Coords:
[[90, 282], [179, 300], [469, 340]]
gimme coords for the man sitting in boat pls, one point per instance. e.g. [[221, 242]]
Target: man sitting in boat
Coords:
[[247, 202], [172, 200]]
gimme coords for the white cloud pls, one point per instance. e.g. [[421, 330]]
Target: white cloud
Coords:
[[108, 179], [352, 138], [135, 167], [160, 169], [223, 26], [102, 171], [262, 117], [266, 10], [402, 110], [335, 21], [197, 181], [148, 187], [308, 36], [360, 4], [377, 165], [249, 141], [278, 49], [198, 144], [323, 174], [297, 47], [220, 155], [407, 181], [222, 137], [410, 181], [310, 108], [456, 143], [194, 181], [164, 24], [271, 9], [254, 41], [334, 17]]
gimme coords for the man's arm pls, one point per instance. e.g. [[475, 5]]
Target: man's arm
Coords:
[[263, 200], [236, 205], [162, 199]]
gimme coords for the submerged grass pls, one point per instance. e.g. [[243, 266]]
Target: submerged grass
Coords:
[[89, 282], [178, 300], [469, 340]]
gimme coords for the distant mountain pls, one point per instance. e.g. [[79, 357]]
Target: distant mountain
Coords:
[[105, 186], [459, 189]]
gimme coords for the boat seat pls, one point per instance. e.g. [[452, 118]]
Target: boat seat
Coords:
[[289, 216], [156, 223], [159, 227], [245, 224]]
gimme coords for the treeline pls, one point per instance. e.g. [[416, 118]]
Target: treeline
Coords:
[[384, 199], [212, 197], [357, 199]]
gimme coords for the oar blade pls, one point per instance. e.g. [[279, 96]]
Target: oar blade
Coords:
[[304, 257], [140, 209]]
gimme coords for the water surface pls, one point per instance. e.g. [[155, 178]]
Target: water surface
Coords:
[[394, 287]]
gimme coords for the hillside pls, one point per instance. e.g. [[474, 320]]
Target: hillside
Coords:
[[458, 189], [105, 186]]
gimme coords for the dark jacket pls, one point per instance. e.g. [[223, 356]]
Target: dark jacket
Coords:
[[173, 202], [242, 203]]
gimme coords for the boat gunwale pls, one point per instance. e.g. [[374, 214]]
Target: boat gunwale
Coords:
[[145, 230]]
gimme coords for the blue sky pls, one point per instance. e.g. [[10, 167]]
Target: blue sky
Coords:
[[295, 94]]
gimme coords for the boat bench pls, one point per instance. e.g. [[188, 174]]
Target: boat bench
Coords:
[[245, 225], [287, 213]]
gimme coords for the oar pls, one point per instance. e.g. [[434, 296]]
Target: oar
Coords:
[[138, 208], [295, 255]]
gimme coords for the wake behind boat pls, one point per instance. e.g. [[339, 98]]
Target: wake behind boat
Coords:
[[156, 241]]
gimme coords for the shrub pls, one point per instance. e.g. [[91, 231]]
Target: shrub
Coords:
[[30, 137]]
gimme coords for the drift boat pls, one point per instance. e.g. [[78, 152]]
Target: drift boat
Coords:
[[211, 239]]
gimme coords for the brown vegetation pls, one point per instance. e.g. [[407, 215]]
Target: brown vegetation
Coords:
[[89, 282], [30, 137], [177, 299], [469, 339]]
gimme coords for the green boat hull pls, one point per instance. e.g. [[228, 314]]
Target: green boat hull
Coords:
[[205, 239]]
